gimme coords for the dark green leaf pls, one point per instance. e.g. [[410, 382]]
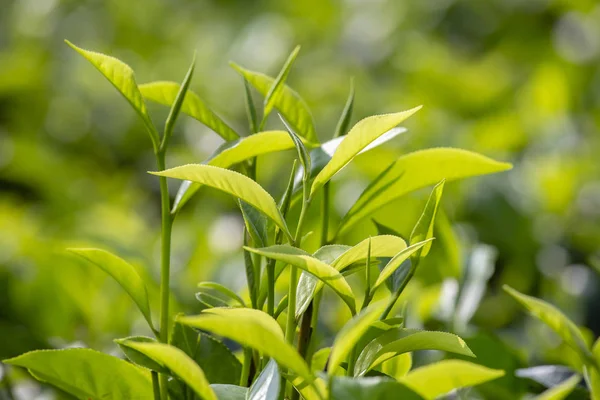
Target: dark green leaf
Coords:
[[342, 126], [370, 388]]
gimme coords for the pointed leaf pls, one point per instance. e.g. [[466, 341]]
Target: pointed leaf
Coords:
[[179, 363], [381, 246], [351, 333], [85, 373], [177, 104], [289, 103], [122, 78], [165, 93], [251, 328], [555, 319], [344, 121], [397, 261], [230, 182], [360, 136], [301, 149], [250, 108], [312, 265], [256, 224], [275, 93], [423, 229], [122, 272], [223, 290], [415, 171], [561, 391], [396, 342], [266, 386], [434, 380]]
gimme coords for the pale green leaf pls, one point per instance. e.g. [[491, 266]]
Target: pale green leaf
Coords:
[[415, 171], [396, 342], [179, 363], [223, 290], [276, 91], [560, 392], [235, 152], [315, 390], [398, 366], [87, 374], [351, 333], [123, 79], [555, 319], [229, 392], [138, 358], [397, 261], [423, 229], [370, 388], [122, 272], [381, 246], [230, 182], [165, 93], [324, 272], [267, 385], [251, 328], [289, 103], [434, 380], [360, 136]]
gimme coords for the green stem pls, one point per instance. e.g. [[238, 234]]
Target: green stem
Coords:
[[271, 287], [155, 385], [166, 222], [351, 362], [246, 367]]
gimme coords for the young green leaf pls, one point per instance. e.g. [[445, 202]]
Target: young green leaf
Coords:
[[250, 109], [251, 328], [312, 265], [360, 136], [123, 79], [230, 182], [122, 272], [274, 94], [165, 93], [434, 380], [179, 363], [177, 104], [315, 390], [85, 373], [423, 229], [289, 103], [381, 246], [223, 290], [266, 386], [415, 171], [235, 152], [370, 388], [229, 392], [556, 320], [256, 224], [351, 333], [398, 366], [396, 342], [397, 261], [302, 152], [138, 358], [560, 392], [344, 121]]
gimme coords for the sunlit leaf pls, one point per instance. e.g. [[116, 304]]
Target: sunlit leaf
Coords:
[[397, 261], [229, 392], [273, 96], [439, 378], [122, 272], [139, 358], [315, 390], [322, 271], [555, 319], [396, 342], [289, 103], [266, 386], [561, 391], [85, 373], [381, 246], [179, 363], [165, 93], [351, 333], [251, 328], [397, 367], [235, 152], [415, 171], [230, 182], [360, 136], [123, 79]]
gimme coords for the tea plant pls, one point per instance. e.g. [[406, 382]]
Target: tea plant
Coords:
[[370, 356]]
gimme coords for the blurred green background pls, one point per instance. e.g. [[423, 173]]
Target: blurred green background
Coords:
[[517, 80]]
